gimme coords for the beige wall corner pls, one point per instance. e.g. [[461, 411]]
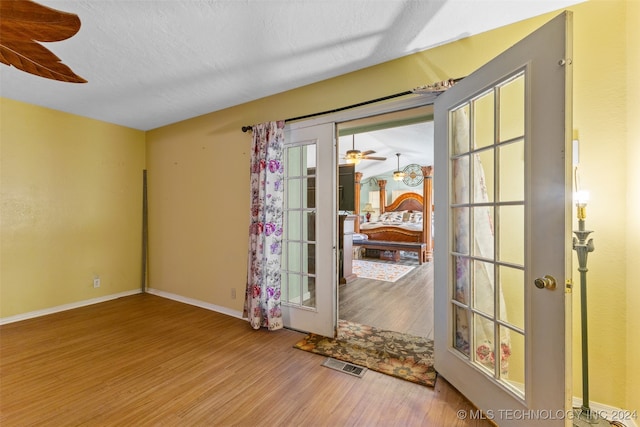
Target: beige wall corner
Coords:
[[71, 208], [633, 205]]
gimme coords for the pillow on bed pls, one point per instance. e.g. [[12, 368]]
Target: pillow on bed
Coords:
[[385, 217], [391, 217], [415, 217], [397, 216]]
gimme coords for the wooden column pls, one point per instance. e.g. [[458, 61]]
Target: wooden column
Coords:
[[382, 183], [427, 210], [356, 196]]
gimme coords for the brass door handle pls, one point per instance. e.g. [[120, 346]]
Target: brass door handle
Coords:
[[547, 281]]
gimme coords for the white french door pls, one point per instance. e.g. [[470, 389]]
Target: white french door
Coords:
[[503, 228], [308, 259]]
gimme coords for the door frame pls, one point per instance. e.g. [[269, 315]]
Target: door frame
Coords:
[[411, 101], [415, 101]]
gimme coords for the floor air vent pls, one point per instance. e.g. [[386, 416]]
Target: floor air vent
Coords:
[[347, 368]]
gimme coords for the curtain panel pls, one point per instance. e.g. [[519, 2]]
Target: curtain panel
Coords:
[[262, 297]]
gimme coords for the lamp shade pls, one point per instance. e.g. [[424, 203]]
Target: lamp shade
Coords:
[[581, 197], [368, 208]]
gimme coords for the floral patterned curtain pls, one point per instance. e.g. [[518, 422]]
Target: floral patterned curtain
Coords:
[[262, 298]]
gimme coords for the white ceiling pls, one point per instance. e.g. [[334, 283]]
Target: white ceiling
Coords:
[[152, 63]]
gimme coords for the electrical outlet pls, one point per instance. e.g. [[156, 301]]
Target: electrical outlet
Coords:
[[233, 293], [96, 282]]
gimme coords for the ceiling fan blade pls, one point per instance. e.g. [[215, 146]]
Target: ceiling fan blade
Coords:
[[373, 158], [25, 23], [365, 153]]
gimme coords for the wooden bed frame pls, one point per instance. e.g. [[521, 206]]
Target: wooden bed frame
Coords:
[[407, 201]]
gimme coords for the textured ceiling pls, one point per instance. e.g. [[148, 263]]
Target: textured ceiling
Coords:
[[152, 63]]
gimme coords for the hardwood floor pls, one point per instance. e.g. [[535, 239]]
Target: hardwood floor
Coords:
[[403, 306], [145, 360]]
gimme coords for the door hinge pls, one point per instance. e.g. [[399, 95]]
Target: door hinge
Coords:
[[565, 61], [568, 286]]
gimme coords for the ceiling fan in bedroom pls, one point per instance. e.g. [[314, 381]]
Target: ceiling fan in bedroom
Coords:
[[23, 24], [354, 156]]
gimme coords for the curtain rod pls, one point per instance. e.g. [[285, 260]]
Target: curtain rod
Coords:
[[437, 87], [433, 88], [348, 107]]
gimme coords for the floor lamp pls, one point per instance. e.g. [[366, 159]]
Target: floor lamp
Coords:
[[584, 416]]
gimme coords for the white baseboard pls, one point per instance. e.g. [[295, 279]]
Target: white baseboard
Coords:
[[197, 303], [84, 303], [611, 413], [64, 307]]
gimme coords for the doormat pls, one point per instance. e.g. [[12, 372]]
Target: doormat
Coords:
[[400, 355], [380, 270]]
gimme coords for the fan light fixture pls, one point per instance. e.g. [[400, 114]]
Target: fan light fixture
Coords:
[[398, 175], [353, 156]]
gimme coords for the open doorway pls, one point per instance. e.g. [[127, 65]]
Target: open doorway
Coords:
[[386, 269]]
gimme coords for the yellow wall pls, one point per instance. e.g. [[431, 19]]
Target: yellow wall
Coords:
[[71, 192], [601, 117], [70, 208], [633, 204]]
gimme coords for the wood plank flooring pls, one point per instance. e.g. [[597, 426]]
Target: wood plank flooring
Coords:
[[402, 306], [145, 360]]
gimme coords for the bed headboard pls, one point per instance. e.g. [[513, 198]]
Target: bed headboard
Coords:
[[406, 202]]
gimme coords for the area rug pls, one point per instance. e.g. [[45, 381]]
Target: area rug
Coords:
[[404, 356], [380, 270]]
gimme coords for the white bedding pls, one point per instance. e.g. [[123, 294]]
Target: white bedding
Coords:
[[358, 237]]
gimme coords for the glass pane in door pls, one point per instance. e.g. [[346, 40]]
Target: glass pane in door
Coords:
[[483, 176], [512, 359], [483, 301], [512, 285], [461, 224], [483, 123], [485, 343], [511, 100], [461, 275], [462, 320], [511, 231], [487, 235], [511, 157], [299, 255]]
